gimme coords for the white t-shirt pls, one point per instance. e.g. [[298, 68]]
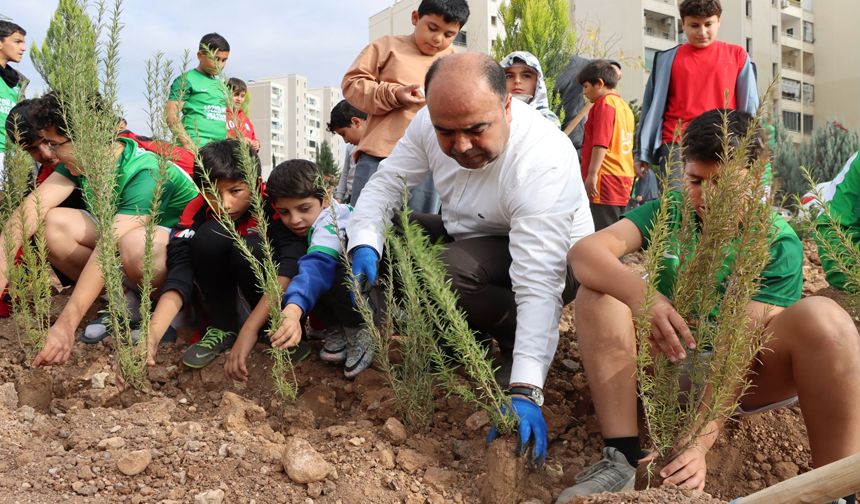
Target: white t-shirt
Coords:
[[532, 193]]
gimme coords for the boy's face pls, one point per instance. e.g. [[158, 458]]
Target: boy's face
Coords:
[[12, 48], [521, 79], [62, 149], [212, 66], [352, 134], [594, 91], [695, 173], [235, 196], [41, 153], [298, 214], [701, 31], [238, 99], [432, 33]]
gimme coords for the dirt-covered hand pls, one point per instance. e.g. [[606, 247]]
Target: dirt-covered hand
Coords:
[[666, 327], [531, 428], [289, 333], [58, 347], [688, 469], [236, 365], [409, 95]]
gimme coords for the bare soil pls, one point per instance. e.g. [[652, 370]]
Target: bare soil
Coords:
[[64, 439]]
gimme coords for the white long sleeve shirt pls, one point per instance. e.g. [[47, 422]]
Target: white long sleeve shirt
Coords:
[[533, 193]]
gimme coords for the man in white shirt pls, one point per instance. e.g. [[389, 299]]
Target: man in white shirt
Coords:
[[513, 203]]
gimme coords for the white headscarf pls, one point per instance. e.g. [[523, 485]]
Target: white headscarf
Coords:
[[540, 100]]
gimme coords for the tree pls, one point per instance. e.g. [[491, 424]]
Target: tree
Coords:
[[541, 27], [325, 159], [71, 38], [823, 154]]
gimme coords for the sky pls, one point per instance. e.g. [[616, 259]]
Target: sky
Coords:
[[318, 38]]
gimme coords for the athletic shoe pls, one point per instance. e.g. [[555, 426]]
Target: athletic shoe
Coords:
[[334, 349], [99, 328], [359, 351], [611, 474], [300, 352], [210, 346]]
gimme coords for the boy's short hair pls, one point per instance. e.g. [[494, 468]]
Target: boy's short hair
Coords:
[[342, 114], [237, 85], [222, 161], [700, 8], [491, 71], [598, 70], [296, 178], [703, 140], [452, 11], [20, 124], [9, 28], [48, 112], [214, 43]]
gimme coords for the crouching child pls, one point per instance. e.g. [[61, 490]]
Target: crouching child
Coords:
[[298, 194]]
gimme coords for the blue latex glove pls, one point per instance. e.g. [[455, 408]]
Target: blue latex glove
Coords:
[[531, 425], [364, 264]]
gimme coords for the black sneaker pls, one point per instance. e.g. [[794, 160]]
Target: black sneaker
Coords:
[[300, 352], [213, 344]]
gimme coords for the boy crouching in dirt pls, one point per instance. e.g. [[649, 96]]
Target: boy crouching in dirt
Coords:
[[201, 252], [812, 354], [298, 193]]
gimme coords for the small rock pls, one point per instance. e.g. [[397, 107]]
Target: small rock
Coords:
[[439, 478], [112, 443], [82, 488], [315, 489], [98, 380], [303, 463], [356, 441], [210, 497], [86, 473], [571, 365], [236, 451], [477, 420], [115, 429], [395, 430], [8, 396], [236, 411], [434, 498], [785, 470], [135, 462], [28, 414], [411, 461], [386, 458]]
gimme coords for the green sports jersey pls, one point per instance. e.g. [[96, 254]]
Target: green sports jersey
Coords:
[[8, 99], [137, 176], [782, 278], [204, 113], [843, 193]]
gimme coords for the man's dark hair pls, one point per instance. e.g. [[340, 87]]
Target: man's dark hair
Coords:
[[9, 28], [214, 43], [598, 70], [296, 178], [20, 125], [700, 8], [490, 70], [222, 161], [342, 114], [703, 140], [237, 85], [48, 112], [452, 11]]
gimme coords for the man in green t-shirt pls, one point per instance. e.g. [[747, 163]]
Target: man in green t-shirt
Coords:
[[71, 234], [812, 353], [12, 47], [200, 95]]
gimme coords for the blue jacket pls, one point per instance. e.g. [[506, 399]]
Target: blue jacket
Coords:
[[649, 131]]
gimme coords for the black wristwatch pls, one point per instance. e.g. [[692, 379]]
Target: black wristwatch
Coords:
[[534, 394]]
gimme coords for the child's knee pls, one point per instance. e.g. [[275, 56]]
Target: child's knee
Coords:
[[820, 324]]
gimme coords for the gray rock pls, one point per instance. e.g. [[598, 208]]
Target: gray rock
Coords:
[[302, 463], [210, 497]]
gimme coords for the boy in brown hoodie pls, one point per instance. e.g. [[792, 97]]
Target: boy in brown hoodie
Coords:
[[385, 82]]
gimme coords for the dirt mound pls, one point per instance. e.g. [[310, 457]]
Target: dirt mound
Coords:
[[665, 495], [69, 434]]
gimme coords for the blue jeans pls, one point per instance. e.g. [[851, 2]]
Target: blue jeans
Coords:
[[423, 198]]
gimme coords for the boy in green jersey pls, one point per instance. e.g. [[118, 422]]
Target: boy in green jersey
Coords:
[[12, 47], [812, 352], [71, 234], [199, 96]]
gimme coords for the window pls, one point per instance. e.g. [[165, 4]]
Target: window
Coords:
[[807, 124], [790, 89], [493, 20], [791, 120], [774, 33], [749, 45], [808, 93], [749, 8], [460, 39], [808, 32], [774, 70]]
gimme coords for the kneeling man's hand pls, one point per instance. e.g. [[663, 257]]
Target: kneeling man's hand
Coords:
[[531, 426]]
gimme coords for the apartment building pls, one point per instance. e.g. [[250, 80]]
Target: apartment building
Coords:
[[290, 119], [477, 35]]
